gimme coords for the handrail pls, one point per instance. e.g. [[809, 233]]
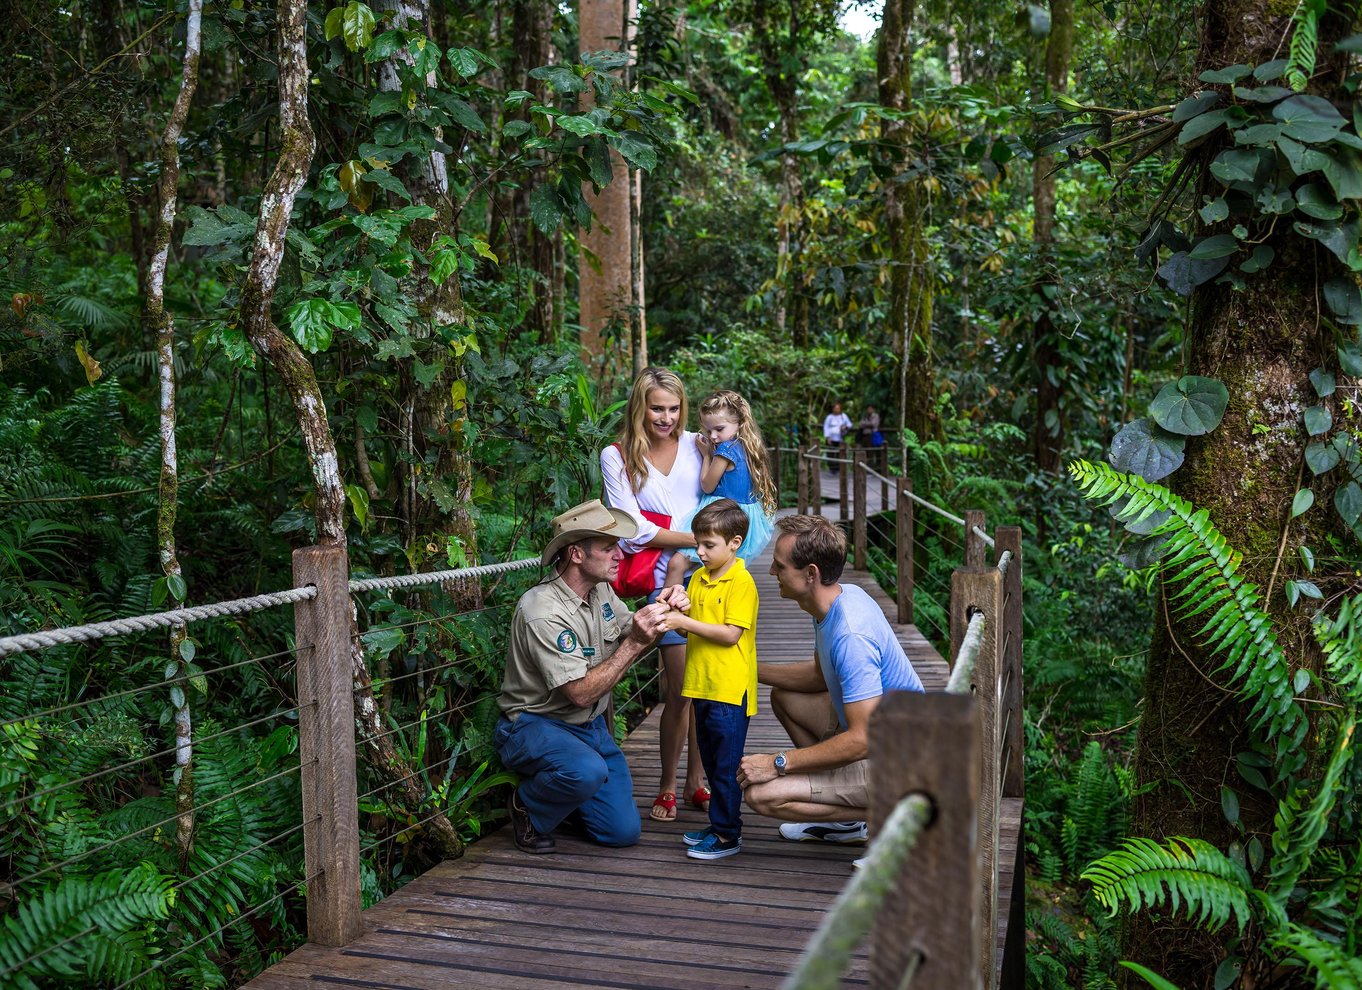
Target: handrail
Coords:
[[825, 958], [142, 623], [67, 635], [963, 668], [982, 535]]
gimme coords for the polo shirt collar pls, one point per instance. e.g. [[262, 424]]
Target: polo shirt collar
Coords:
[[737, 566]]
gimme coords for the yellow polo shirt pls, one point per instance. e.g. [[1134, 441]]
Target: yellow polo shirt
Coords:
[[715, 672]]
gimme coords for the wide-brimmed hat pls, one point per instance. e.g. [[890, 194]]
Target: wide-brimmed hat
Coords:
[[586, 520]]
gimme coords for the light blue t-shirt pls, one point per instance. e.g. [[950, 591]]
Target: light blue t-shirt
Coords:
[[860, 655]]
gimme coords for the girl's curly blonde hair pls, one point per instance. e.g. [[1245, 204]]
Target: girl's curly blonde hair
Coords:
[[749, 434]]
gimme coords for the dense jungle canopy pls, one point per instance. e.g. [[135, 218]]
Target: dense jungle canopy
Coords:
[[378, 276]]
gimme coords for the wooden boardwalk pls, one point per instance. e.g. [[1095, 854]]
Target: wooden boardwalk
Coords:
[[642, 918]]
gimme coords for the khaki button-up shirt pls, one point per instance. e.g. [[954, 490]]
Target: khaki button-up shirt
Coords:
[[556, 637]]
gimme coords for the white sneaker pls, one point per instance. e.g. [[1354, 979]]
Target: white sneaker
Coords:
[[824, 831]]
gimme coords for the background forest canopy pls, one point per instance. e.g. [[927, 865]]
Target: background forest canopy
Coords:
[[261, 296]]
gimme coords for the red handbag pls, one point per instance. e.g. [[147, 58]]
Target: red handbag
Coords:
[[636, 569]]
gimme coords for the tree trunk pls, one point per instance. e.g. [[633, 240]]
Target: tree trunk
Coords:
[[296, 373], [911, 283], [1049, 427], [605, 273], [159, 322], [777, 53], [1262, 342]]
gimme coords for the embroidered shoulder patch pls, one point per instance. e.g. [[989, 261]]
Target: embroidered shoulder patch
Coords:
[[567, 642], [607, 613]]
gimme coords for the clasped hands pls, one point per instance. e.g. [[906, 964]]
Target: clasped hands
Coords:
[[653, 620]]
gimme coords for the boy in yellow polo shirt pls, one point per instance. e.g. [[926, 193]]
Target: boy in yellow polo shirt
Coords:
[[721, 668]]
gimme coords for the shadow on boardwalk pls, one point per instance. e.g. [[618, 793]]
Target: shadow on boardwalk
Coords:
[[642, 918]]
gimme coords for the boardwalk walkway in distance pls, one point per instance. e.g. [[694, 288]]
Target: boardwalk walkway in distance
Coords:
[[643, 918]]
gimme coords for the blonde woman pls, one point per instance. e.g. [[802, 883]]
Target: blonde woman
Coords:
[[655, 467]]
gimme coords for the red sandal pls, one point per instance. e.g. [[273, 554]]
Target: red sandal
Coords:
[[664, 807], [700, 799]]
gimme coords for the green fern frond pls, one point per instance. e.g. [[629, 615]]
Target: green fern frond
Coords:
[[1296, 835], [1213, 887], [85, 930], [1341, 641], [1304, 43], [1200, 560], [1330, 963]]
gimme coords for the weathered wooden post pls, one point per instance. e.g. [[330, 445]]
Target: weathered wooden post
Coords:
[[816, 478], [981, 590], [777, 463], [860, 510], [976, 550], [929, 744], [326, 746], [843, 501], [903, 548], [801, 479], [1009, 538]]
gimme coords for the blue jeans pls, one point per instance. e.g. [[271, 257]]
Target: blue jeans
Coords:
[[722, 730], [566, 768]]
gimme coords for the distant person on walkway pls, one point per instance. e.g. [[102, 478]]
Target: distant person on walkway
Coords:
[[721, 668], [572, 639], [836, 427], [824, 703], [734, 466], [868, 429], [654, 468]]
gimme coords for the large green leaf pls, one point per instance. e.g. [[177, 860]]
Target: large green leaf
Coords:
[[1318, 420], [1142, 448], [545, 210], [1190, 406], [1348, 502], [1308, 118], [1217, 246], [1318, 202], [1321, 457], [1183, 273]]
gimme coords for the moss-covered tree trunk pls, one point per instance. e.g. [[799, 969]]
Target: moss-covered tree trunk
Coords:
[[910, 281], [159, 322], [1262, 342]]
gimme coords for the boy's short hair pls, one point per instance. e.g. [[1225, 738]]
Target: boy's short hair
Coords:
[[724, 518], [817, 541]]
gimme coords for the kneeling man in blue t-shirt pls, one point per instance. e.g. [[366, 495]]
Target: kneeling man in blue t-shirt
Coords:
[[824, 703]]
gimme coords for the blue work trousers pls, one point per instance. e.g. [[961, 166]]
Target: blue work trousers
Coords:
[[722, 731], [566, 768]]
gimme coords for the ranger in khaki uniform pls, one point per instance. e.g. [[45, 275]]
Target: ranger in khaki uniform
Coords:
[[572, 639]]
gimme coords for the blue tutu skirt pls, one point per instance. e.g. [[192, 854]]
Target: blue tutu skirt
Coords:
[[759, 528]]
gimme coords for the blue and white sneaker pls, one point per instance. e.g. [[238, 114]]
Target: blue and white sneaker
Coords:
[[714, 846], [698, 836], [824, 832]]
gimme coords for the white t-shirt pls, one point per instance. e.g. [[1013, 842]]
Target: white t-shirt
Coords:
[[675, 494], [835, 425]]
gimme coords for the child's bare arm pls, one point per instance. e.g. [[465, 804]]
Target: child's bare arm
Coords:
[[716, 632], [712, 472]]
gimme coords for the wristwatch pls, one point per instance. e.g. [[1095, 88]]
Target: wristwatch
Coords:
[[780, 763]]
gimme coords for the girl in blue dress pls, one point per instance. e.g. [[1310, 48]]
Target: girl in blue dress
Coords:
[[734, 465]]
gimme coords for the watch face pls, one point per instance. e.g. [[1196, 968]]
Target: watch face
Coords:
[[780, 763]]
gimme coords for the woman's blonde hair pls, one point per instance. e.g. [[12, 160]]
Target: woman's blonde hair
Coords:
[[634, 443], [763, 482]]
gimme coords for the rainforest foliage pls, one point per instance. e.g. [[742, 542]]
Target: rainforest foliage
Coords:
[[1131, 239]]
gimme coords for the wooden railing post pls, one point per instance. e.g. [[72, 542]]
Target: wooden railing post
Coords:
[[777, 462], [884, 489], [1008, 538], [802, 479], [904, 534], [973, 591], [976, 550], [816, 478], [861, 510], [929, 744], [843, 473], [326, 746]]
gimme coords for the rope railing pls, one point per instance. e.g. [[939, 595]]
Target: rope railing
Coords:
[[156, 620], [825, 958], [440, 577], [988, 540], [963, 668]]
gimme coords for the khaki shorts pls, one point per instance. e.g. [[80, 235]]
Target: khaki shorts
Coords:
[[844, 786]]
